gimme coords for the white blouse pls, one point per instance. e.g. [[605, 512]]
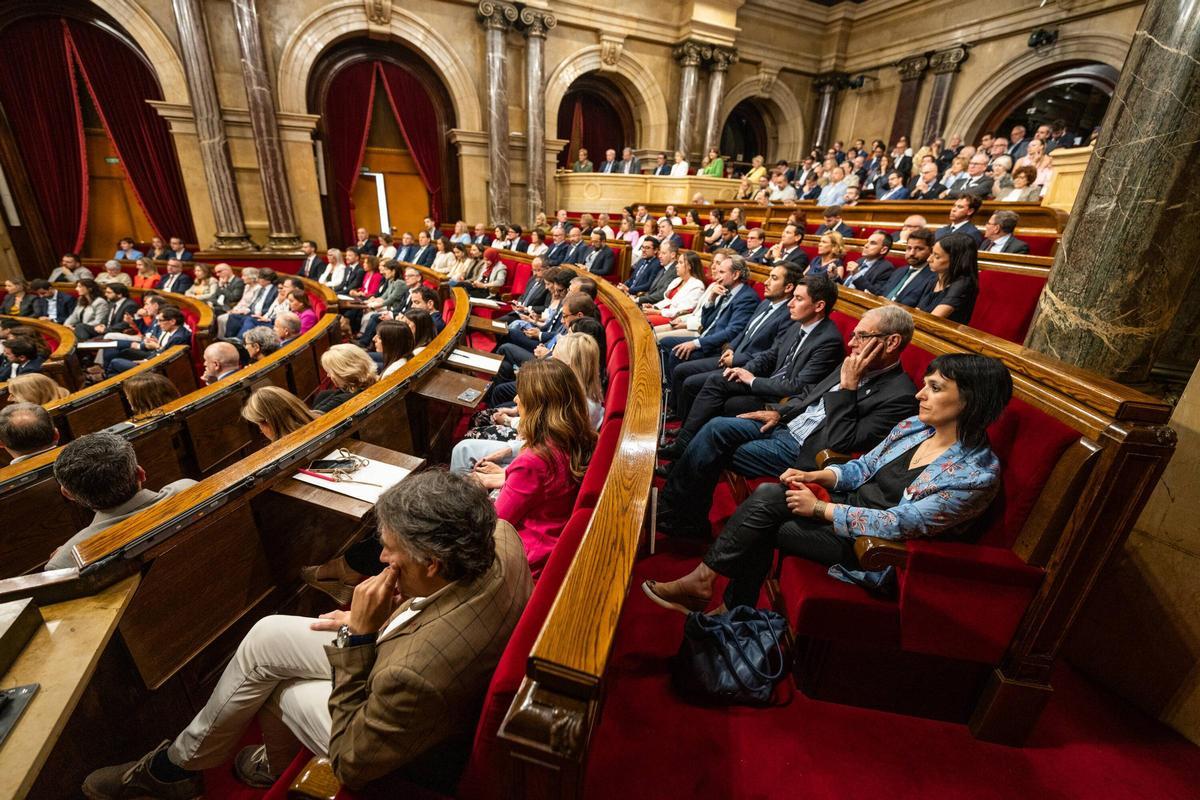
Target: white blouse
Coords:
[[679, 169], [683, 300]]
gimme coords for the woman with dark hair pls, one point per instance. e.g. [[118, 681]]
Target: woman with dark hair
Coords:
[[930, 477], [18, 298], [299, 305], [394, 341], [683, 292], [422, 327], [90, 310], [955, 261], [715, 228]]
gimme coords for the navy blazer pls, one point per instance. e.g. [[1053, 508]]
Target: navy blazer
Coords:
[[932, 193], [757, 256], [575, 254], [822, 349], [315, 271], [32, 365], [641, 277], [536, 295], [609, 167], [604, 261], [181, 335], [899, 193], [1011, 245], [797, 257], [968, 229], [764, 335], [912, 293], [265, 299], [182, 255], [845, 230], [554, 256], [423, 256], [181, 283], [873, 278], [406, 252], [665, 169], [724, 323], [737, 244], [63, 302]]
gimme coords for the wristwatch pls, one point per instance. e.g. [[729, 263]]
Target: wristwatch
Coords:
[[347, 639]]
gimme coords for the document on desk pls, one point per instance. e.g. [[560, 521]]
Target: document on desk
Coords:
[[487, 302], [478, 361], [97, 344], [364, 484]]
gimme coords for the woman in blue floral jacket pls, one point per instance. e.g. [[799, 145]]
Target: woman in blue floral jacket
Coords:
[[931, 476]]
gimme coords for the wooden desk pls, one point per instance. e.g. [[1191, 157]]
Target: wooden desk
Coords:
[[445, 386], [485, 325], [61, 657], [495, 361], [340, 503]]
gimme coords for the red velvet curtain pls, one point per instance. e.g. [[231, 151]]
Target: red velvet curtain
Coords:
[[41, 101], [347, 120], [588, 120], [418, 125], [120, 84]]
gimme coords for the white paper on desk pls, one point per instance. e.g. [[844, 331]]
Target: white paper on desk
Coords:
[[483, 363], [375, 472], [484, 301], [97, 345], [346, 297]]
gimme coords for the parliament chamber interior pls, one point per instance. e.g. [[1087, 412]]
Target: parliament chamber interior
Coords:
[[869, 470]]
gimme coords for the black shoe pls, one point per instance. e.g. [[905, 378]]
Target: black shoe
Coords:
[[662, 471], [672, 452]]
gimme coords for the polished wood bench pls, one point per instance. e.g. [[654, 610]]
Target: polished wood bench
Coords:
[[62, 365]]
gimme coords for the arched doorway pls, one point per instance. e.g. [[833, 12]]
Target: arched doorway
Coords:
[[386, 118], [594, 114], [88, 160], [744, 135], [1075, 93]]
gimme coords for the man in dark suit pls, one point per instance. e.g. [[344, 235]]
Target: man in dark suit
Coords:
[[756, 251], [407, 248], [896, 189], [873, 269], [365, 243], [629, 164], [666, 231], [926, 185], [176, 279], [353, 277], [536, 296], [422, 296], [800, 357], [720, 322], [977, 181], [644, 270], [424, 254], [480, 235], [431, 229], [177, 250], [787, 249], [558, 247], [960, 218], [119, 305], [770, 320], [833, 222], [998, 234], [610, 163], [230, 288], [600, 260], [268, 293], [661, 167], [576, 250], [20, 358], [314, 266], [513, 240], [731, 240], [667, 253], [850, 411], [51, 304], [906, 286], [1018, 144], [169, 331]]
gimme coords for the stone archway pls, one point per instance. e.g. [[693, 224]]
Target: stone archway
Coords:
[[635, 81], [1104, 48], [781, 113], [344, 19]]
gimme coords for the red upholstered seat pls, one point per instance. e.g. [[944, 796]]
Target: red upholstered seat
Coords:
[[819, 606], [618, 356], [1006, 303], [1039, 245], [845, 324], [597, 471], [617, 398], [518, 276]]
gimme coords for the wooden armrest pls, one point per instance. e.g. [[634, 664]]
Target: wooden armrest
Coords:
[[827, 457], [316, 780], [875, 554], [507, 297]]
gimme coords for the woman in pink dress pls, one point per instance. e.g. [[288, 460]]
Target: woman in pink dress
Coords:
[[538, 489]]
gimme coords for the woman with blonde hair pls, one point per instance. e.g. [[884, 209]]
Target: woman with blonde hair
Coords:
[[148, 391], [335, 269], [36, 388], [147, 276], [680, 168], [757, 170], [830, 257], [538, 489], [350, 370], [277, 412]]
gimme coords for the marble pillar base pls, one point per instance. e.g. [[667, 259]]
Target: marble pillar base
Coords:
[[283, 243], [595, 192], [233, 242]]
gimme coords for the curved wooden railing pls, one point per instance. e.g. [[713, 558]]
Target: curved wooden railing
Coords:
[[62, 364]]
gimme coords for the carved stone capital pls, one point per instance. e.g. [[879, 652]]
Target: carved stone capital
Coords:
[[611, 48], [690, 54], [379, 12], [950, 60], [721, 58], [911, 68], [537, 23], [497, 14], [830, 82], [766, 79]]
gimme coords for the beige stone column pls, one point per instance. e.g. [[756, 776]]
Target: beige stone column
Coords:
[[473, 160]]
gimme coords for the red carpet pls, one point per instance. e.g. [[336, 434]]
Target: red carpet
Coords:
[[1088, 744]]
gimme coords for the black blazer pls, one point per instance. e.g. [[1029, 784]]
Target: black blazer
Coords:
[[797, 257], [536, 295], [1012, 245], [845, 230], [352, 280], [969, 229], [423, 256], [854, 421], [765, 335], [603, 263], [315, 271], [64, 302], [875, 277], [181, 283], [932, 193], [116, 314], [915, 290], [821, 350], [758, 256]]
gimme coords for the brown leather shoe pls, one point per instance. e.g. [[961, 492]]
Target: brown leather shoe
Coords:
[[683, 603], [133, 780], [251, 768]]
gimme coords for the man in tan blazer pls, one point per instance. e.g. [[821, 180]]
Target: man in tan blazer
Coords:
[[411, 660]]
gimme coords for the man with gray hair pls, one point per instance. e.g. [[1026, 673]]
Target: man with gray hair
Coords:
[[26, 429], [287, 326], [410, 661], [221, 359], [100, 472], [976, 181], [261, 342], [998, 234], [850, 411]]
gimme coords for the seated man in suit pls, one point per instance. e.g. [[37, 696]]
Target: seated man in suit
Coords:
[[51, 304], [410, 660], [599, 260], [644, 270], [731, 240], [756, 251], [926, 185], [630, 165], [407, 248], [221, 359], [661, 167], [536, 296], [907, 285], [576, 305], [176, 280], [666, 232], [513, 240], [21, 357], [364, 243], [479, 236], [872, 270], [998, 234], [788, 248], [833, 222], [177, 250], [896, 189], [960, 215], [431, 229], [428, 299], [313, 266], [850, 411], [424, 253], [26, 430], [799, 357], [558, 246], [668, 251], [610, 163], [70, 269], [770, 320], [723, 320], [230, 288], [169, 330], [976, 182], [100, 471]]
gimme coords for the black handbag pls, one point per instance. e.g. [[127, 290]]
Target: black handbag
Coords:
[[733, 658]]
